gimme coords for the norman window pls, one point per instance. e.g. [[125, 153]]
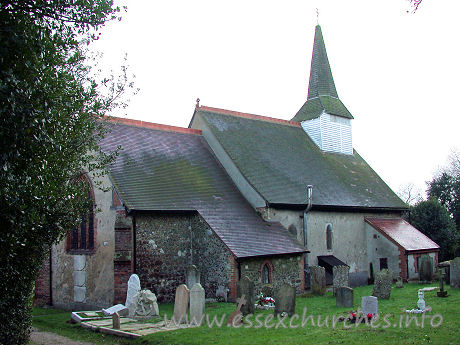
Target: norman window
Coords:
[[81, 238], [329, 237]]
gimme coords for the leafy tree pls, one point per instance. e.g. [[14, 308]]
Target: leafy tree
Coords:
[[50, 123], [446, 188], [433, 219]]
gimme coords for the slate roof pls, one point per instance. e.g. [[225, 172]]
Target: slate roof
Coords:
[[322, 94], [402, 233], [168, 168], [279, 160]]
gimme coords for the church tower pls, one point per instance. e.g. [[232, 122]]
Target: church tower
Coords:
[[323, 116]]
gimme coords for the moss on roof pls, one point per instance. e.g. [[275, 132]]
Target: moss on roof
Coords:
[[279, 161]]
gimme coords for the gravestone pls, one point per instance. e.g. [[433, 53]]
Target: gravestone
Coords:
[[181, 303], [236, 316], [267, 290], [399, 282], [344, 297], [455, 273], [382, 284], [369, 305], [425, 269], [134, 286], [192, 276], [285, 300], [222, 291], [441, 292], [197, 300], [445, 265], [339, 277], [318, 280], [246, 287], [144, 305], [115, 321]]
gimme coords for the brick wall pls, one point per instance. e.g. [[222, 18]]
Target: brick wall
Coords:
[[42, 285], [122, 265]]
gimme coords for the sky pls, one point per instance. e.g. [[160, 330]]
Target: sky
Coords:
[[396, 71]]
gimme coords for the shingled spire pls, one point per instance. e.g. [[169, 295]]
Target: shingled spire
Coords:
[[321, 81], [322, 94]]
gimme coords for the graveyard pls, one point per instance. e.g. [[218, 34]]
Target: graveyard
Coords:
[[400, 326]]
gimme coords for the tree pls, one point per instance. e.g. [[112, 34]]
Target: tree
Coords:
[[50, 124], [410, 194], [433, 219], [446, 187]]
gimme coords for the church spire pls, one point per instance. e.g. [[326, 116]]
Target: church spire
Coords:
[[322, 94], [321, 81]]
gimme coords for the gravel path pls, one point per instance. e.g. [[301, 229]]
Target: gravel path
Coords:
[[46, 338]]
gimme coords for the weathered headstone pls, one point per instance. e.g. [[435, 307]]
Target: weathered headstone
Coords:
[[197, 300], [441, 292], [399, 282], [455, 273], [115, 321], [425, 269], [222, 291], [318, 280], [369, 305], [144, 305], [246, 287], [236, 316], [344, 297], [382, 284], [134, 286], [181, 303], [339, 277], [285, 300], [192, 276], [267, 290], [445, 265]]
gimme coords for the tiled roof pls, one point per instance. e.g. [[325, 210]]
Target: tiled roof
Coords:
[[402, 233], [280, 160], [322, 94], [171, 168]]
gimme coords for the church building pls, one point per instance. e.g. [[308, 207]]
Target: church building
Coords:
[[234, 194]]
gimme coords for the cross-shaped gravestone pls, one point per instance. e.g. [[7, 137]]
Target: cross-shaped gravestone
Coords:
[[237, 313]]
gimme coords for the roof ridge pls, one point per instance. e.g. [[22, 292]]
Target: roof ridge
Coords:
[[151, 125], [249, 116]]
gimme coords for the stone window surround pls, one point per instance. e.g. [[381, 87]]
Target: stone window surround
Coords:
[[269, 265], [68, 242]]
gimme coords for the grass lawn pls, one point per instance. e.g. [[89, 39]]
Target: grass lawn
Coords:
[[318, 306]]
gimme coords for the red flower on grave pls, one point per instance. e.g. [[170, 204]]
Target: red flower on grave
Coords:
[[369, 316]]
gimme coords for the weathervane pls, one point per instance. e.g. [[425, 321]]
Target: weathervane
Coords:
[[317, 16]]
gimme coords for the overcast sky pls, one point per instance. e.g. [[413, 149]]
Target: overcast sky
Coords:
[[396, 72]]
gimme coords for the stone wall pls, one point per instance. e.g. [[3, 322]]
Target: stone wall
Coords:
[[211, 256], [163, 250], [86, 280], [167, 243], [122, 264], [349, 237], [284, 269]]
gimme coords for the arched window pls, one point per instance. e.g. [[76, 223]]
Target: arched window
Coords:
[[81, 238], [266, 272], [329, 237]]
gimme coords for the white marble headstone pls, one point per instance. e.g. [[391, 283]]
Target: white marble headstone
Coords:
[[134, 286], [369, 305]]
